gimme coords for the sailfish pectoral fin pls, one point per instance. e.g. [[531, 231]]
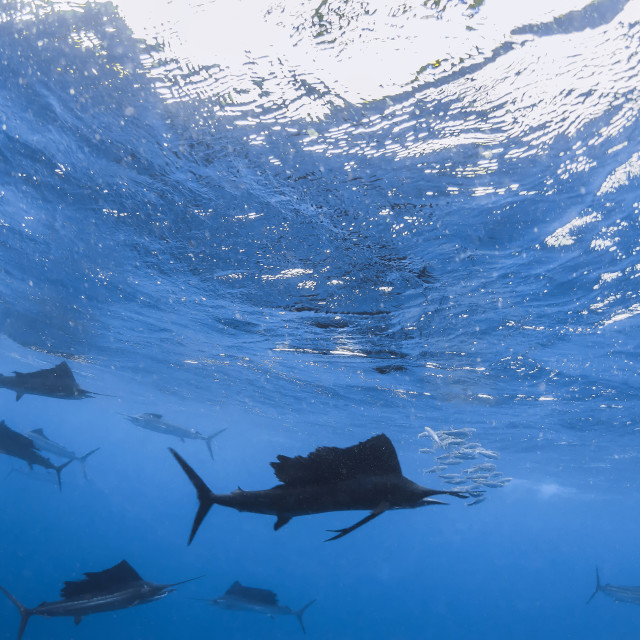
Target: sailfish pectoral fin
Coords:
[[280, 522], [343, 532], [77, 620]]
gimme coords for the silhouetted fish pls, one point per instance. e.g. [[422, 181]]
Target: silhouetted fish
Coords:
[[16, 445], [154, 422], [119, 587], [241, 598], [45, 444], [619, 594], [57, 382], [366, 476]]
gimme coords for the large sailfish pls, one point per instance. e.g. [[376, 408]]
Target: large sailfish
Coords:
[[363, 477], [118, 587], [56, 382]]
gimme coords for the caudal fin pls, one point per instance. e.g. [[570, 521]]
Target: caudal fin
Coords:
[[208, 440], [83, 459], [206, 497], [25, 613], [299, 615], [59, 471], [597, 586]]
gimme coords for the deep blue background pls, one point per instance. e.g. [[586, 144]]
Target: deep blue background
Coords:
[[339, 292]]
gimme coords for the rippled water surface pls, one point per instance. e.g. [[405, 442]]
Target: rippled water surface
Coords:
[[309, 223]]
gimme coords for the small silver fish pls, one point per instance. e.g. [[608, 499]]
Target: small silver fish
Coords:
[[437, 469], [486, 466], [430, 433]]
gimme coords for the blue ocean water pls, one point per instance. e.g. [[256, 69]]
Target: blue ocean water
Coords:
[[310, 223]]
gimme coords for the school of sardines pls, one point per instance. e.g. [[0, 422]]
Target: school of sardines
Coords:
[[363, 477]]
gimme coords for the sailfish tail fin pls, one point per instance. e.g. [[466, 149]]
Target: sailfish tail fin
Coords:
[[59, 469], [208, 440], [598, 586], [206, 497], [25, 613], [299, 615], [83, 459]]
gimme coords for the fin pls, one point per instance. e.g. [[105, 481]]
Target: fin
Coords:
[[206, 497], [299, 615], [597, 586], [373, 457], [25, 613], [280, 522], [59, 471], [18, 395], [77, 620], [40, 432], [155, 416], [100, 582], [61, 369], [253, 595], [343, 532], [83, 459], [208, 440]]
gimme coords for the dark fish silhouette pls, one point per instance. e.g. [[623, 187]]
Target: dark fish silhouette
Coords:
[[46, 444], [119, 587], [16, 445], [154, 422], [619, 594], [366, 476], [241, 598], [57, 382]]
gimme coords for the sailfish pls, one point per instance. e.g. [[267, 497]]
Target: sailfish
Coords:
[[56, 382], [366, 476], [118, 587], [240, 598], [19, 446]]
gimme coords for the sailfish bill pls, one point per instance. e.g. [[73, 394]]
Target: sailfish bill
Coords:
[[364, 477], [118, 587]]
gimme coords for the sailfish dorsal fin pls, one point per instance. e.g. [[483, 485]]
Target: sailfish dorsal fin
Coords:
[[61, 373], [63, 368], [373, 457], [252, 595], [108, 581]]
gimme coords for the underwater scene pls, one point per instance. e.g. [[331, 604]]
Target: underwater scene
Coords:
[[320, 318]]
